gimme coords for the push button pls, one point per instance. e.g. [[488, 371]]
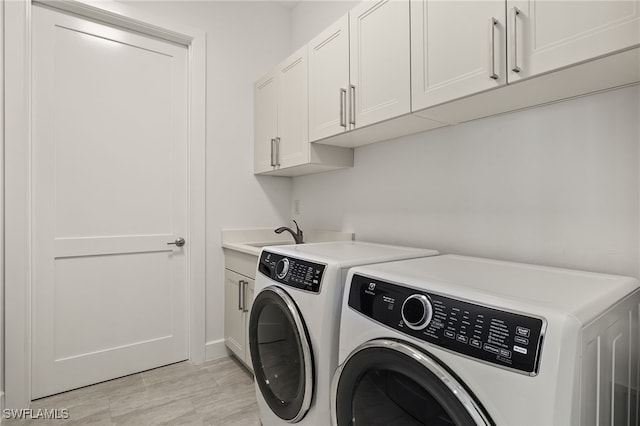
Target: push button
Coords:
[[491, 349], [521, 340], [462, 338], [522, 331], [449, 334], [520, 350]]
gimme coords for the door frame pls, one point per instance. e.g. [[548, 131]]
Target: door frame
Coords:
[[18, 168]]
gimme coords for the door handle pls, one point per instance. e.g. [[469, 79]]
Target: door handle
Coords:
[[343, 112], [273, 151], [245, 285], [514, 39], [352, 106], [178, 243], [492, 49], [240, 288], [277, 139]]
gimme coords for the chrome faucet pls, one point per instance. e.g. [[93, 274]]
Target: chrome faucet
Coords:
[[297, 234]]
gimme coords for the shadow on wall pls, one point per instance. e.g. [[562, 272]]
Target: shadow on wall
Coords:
[[555, 185], [277, 192]]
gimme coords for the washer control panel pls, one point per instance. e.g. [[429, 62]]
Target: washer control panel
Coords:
[[292, 272], [493, 335]]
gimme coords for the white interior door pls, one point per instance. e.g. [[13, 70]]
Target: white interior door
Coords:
[[109, 192]]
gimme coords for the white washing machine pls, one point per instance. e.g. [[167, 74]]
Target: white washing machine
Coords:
[[294, 324], [457, 340]]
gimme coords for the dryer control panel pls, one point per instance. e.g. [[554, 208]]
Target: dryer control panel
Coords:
[[292, 272], [508, 339]]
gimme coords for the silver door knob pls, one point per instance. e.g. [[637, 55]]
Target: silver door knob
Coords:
[[179, 242]]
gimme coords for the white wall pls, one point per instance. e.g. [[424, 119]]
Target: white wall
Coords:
[[244, 40], [555, 185], [310, 17]]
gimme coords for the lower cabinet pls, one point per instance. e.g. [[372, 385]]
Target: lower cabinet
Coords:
[[238, 298]]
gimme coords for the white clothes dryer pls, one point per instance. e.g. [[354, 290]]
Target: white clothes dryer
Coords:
[[457, 340], [294, 324]]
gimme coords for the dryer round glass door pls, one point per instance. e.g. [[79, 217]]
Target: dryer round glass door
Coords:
[[281, 354], [386, 382]]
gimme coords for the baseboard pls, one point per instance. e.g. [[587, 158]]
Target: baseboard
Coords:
[[216, 349]]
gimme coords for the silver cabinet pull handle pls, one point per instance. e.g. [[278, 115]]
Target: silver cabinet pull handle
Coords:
[[492, 49], [178, 243], [343, 112], [245, 285], [273, 161], [240, 287], [352, 101], [514, 37], [277, 151]]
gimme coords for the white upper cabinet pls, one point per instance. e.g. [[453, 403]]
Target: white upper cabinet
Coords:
[[457, 49], [292, 140], [390, 68], [380, 80], [281, 137], [265, 125], [548, 35], [281, 124], [548, 49], [359, 69], [329, 80]]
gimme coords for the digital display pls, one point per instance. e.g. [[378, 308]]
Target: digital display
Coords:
[[496, 336]]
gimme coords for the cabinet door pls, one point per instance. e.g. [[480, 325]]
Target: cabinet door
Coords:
[[265, 116], [293, 118], [547, 35], [329, 80], [380, 61], [234, 317], [249, 293], [457, 49]]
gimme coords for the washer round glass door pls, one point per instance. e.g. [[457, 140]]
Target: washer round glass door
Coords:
[[281, 354], [386, 382]]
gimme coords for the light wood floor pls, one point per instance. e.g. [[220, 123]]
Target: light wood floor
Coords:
[[219, 392]]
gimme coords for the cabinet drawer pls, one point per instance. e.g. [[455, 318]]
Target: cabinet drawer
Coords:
[[241, 263]]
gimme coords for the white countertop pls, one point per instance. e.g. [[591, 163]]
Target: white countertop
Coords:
[[251, 241]]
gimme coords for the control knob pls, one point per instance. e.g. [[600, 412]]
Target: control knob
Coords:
[[416, 311], [282, 267]]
